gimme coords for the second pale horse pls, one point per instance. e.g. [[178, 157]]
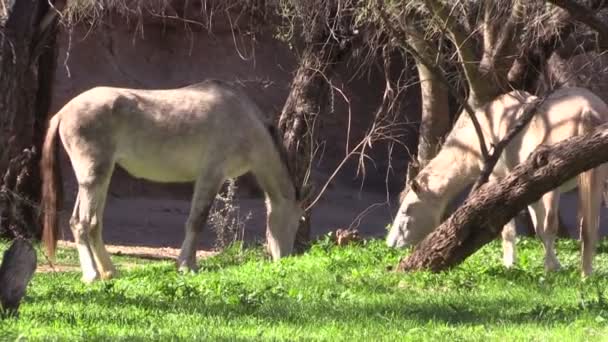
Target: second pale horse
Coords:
[[565, 113], [206, 133]]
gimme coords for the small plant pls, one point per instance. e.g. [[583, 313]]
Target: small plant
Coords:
[[225, 217]]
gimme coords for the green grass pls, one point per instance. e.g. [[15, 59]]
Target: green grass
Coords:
[[330, 293]]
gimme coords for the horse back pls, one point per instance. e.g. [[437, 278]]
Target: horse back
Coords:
[[166, 135], [565, 113]]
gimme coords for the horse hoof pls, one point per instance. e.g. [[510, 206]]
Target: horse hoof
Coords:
[[89, 278], [108, 275], [186, 267]]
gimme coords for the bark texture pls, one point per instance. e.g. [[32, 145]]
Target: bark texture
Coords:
[[480, 219]]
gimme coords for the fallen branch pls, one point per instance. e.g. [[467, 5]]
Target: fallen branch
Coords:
[[480, 219]]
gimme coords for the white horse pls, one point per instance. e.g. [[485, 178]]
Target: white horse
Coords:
[[206, 133], [565, 113]]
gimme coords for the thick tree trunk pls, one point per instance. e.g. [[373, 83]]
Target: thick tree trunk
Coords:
[[480, 219], [27, 64], [435, 116], [308, 101]]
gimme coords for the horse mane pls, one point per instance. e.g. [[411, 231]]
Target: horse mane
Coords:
[[275, 133]]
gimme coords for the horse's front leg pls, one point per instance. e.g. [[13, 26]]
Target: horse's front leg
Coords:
[[205, 189], [102, 259]]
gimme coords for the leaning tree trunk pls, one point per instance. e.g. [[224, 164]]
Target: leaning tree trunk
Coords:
[[435, 116], [307, 103], [27, 64], [482, 217]]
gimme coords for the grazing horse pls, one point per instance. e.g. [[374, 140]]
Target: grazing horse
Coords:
[[205, 133], [565, 113]]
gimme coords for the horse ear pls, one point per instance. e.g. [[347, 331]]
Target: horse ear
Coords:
[[415, 186]]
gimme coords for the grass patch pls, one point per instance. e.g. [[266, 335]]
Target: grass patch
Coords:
[[330, 293]]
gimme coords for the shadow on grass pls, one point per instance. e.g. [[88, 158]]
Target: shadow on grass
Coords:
[[457, 311]]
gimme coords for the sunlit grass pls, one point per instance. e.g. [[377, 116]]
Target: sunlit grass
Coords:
[[330, 293]]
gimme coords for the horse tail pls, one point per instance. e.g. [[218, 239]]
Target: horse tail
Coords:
[[589, 184], [48, 170], [277, 138]]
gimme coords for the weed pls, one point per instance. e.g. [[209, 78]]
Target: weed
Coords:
[[225, 217]]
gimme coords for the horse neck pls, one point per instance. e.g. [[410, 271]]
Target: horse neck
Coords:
[[450, 172]]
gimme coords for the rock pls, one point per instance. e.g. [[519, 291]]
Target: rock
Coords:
[[345, 236], [16, 271]]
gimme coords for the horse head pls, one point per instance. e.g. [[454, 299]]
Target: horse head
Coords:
[[418, 215]]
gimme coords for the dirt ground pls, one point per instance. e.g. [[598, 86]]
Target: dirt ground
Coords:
[[158, 222]]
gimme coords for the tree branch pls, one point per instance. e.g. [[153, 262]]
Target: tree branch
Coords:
[[587, 16], [500, 55], [529, 112], [435, 117], [396, 31], [480, 92], [489, 28]]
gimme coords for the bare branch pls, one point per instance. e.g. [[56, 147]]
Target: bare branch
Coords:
[[488, 167], [499, 56], [396, 31], [489, 28], [586, 16], [480, 92]]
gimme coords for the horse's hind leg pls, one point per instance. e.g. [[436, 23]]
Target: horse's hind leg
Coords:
[[205, 189], [83, 217], [590, 198], [545, 220], [102, 259], [509, 235]]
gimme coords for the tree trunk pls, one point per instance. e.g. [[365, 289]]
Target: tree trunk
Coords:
[[435, 116], [308, 101], [27, 64], [481, 218]]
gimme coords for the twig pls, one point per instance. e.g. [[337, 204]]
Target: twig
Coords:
[[586, 16]]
